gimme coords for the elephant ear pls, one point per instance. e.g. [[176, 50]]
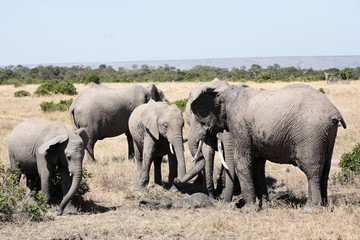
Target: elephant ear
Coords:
[[204, 103], [149, 118], [56, 140], [83, 134], [155, 93]]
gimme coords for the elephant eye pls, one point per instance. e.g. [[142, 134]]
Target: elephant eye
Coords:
[[68, 158], [165, 125]]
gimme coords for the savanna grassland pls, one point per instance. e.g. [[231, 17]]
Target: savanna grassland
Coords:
[[111, 210]]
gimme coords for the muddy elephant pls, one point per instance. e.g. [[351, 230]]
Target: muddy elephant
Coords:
[[104, 112], [203, 145], [156, 128], [292, 125], [36, 147]]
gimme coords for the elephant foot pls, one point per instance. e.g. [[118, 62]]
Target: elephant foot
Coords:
[[173, 188], [70, 209], [310, 209], [248, 207]]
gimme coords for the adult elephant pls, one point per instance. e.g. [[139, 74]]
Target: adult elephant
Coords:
[[36, 147], [104, 112], [156, 128], [202, 146], [292, 125]]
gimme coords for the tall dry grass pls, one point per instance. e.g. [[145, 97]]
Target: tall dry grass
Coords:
[[114, 175]]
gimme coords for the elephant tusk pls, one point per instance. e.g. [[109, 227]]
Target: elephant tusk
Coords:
[[198, 151], [70, 174], [221, 155], [171, 148]]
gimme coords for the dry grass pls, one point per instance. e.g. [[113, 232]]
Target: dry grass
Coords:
[[115, 213]]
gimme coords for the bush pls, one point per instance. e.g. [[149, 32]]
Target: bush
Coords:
[[92, 78], [49, 87], [13, 206], [322, 90], [263, 77], [350, 166], [63, 105], [181, 103], [21, 93]]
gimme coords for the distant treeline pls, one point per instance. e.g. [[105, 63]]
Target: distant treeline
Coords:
[[23, 75]]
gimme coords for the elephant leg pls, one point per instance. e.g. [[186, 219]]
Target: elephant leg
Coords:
[[313, 174], [32, 184], [260, 183], [90, 150], [157, 170], [326, 171], [131, 151], [148, 153], [173, 166], [138, 159], [220, 184], [244, 170]]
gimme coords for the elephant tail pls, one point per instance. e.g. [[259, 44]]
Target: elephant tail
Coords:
[[72, 117], [340, 119]]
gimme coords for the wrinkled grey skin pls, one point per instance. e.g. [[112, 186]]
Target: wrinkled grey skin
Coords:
[[153, 126], [104, 112], [36, 147], [196, 200], [206, 159], [293, 125]]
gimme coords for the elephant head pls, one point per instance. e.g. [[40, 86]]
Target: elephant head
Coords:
[[203, 138], [166, 122], [69, 150]]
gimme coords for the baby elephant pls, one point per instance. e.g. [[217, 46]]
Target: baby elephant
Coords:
[[156, 128], [36, 147]]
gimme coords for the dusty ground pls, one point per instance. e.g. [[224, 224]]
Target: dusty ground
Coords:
[[110, 210]]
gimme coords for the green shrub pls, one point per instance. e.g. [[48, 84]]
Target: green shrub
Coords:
[[63, 105], [49, 87], [21, 93], [350, 166], [322, 90], [263, 77], [92, 78], [181, 103], [13, 206]]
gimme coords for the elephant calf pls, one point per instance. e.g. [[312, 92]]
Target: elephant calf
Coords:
[[36, 147], [156, 128]]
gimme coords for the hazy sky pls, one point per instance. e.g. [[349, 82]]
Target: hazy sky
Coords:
[[39, 32]]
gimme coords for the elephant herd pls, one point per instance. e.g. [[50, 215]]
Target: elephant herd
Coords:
[[247, 126]]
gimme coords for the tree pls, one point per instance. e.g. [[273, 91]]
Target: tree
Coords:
[[92, 78]]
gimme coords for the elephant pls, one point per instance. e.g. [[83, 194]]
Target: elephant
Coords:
[[36, 147], [292, 125], [207, 144], [156, 128], [104, 112]]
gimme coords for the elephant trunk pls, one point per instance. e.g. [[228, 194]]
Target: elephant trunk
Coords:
[[230, 172], [76, 179], [177, 142]]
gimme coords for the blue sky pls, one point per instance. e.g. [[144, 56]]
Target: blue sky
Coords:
[[40, 32]]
